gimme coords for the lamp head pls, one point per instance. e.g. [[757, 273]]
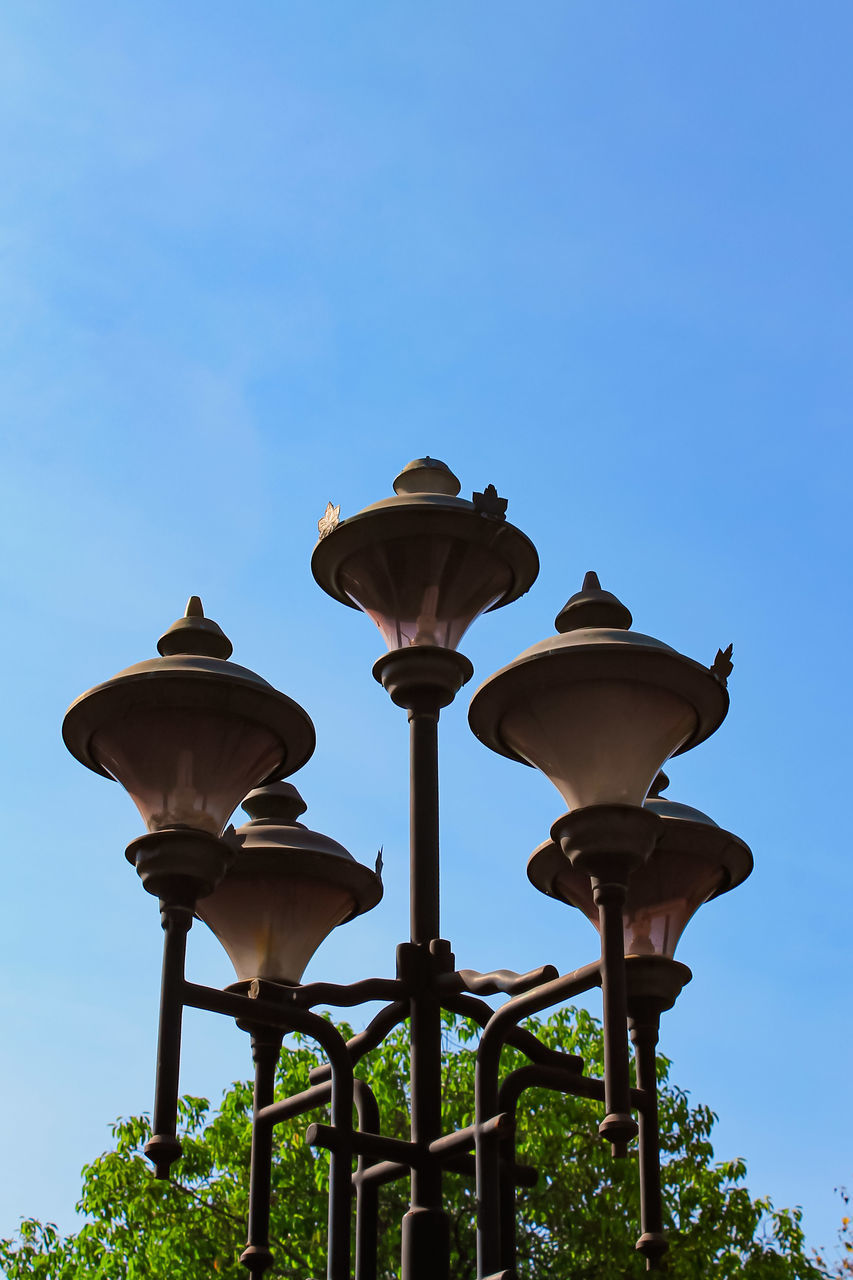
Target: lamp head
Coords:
[[693, 861], [598, 708], [187, 734], [285, 891], [424, 564]]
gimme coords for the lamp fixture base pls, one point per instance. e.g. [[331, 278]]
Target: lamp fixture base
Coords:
[[653, 1245], [654, 983], [180, 864], [162, 1150], [618, 1128], [256, 1259], [607, 841], [423, 677]]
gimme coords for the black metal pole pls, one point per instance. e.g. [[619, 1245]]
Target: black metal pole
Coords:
[[163, 1148], [257, 1256], [652, 1243], [618, 1124], [340, 1161], [424, 908], [366, 1193], [426, 1227], [654, 984], [607, 842], [487, 1168], [423, 679]]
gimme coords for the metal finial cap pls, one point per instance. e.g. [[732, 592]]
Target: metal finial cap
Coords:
[[278, 802], [195, 634], [427, 475], [592, 607]]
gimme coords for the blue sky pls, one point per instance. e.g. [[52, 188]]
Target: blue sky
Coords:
[[258, 257]]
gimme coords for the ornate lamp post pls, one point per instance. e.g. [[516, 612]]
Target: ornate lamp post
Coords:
[[597, 708]]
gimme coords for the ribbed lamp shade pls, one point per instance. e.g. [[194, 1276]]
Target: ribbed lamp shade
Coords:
[[185, 767], [424, 590]]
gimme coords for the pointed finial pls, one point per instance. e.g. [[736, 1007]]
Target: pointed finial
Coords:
[[378, 867], [195, 634], [427, 475], [592, 607]]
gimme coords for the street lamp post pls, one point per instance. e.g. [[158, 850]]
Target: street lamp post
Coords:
[[598, 708]]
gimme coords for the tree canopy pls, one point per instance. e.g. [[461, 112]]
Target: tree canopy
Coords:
[[580, 1220]]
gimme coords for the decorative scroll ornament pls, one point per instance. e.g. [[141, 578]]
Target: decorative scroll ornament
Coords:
[[330, 520], [723, 666], [489, 504]]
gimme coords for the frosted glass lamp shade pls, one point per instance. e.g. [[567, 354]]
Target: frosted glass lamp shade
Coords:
[[271, 926], [600, 741], [185, 767], [665, 899], [424, 590], [693, 861], [285, 891], [662, 896], [598, 708]]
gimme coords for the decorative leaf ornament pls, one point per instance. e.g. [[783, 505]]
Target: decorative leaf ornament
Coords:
[[330, 520], [489, 504], [722, 666]]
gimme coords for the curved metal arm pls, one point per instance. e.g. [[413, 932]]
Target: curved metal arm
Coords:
[[372, 1035], [495, 1035], [340, 994], [340, 1172], [499, 1026], [514, 1085], [518, 1037], [498, 981]]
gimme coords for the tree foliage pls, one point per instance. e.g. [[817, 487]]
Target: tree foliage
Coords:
[[844, 1263], [579, 1221]]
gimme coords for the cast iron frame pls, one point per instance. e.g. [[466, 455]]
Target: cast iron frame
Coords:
[[609, 840]]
